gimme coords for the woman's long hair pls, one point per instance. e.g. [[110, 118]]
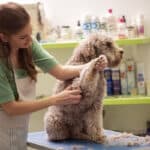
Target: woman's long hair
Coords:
[[13, 18]]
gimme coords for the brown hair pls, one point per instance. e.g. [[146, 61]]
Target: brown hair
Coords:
[[13, 18]]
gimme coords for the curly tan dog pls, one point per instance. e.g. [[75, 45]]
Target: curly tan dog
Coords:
[[84, 120]]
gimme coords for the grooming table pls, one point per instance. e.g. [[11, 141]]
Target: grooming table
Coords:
[[39, 141]]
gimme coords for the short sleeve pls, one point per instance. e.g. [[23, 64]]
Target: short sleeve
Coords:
[[42, 58], [6, 92]]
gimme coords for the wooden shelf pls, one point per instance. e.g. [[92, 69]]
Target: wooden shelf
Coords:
[[135, 41], [73, 44], [60, 45], [128, 100], [121, 100]]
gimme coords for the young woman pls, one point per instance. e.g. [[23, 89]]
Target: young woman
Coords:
[[19, 54]]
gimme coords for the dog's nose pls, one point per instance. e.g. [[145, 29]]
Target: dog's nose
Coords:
[[121, 52]]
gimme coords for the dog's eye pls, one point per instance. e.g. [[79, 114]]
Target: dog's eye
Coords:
[[109, 44], [96, 50]]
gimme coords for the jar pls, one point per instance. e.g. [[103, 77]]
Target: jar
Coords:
[[132, 31], [66, 33]]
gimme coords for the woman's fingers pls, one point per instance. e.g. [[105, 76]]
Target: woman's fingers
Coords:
[[78, 97], [73, 99], [68, 88], [75, 92], [75, 102]]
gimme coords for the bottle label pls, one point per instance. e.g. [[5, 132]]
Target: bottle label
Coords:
[[103, 26], [108, 77], [96, 25], [87, 26], [140, 77], [116, 81], [141, 30]]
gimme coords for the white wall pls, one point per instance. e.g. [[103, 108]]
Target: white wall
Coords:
[[19, 1], [69, 11]]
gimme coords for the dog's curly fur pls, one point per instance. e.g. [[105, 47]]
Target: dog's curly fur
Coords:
[[84, 120]]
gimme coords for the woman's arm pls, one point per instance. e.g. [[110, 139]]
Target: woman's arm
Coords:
[[66, 72], [65, 97]]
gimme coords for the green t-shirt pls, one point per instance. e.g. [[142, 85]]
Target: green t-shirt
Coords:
[[41, 58]]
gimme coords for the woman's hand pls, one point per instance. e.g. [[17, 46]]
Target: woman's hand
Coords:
[[68, 96], [101, 63]]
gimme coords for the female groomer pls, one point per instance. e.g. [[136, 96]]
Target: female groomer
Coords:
[[19, 54]]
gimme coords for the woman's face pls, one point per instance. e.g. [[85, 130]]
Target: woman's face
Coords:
[[22, 39]]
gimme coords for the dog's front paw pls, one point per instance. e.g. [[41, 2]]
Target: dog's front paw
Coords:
[[101, 63]]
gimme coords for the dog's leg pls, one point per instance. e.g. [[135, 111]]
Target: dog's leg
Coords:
[[90, 128], [85, 136], [90, 77], [91, 81], [77, 132], [55, 126], [94, 126]]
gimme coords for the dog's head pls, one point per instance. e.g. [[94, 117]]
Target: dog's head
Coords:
[[96, 45]]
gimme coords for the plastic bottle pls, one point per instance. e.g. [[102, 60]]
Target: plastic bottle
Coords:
[[122, 30], [95, 24], [103, 25], [66, 32], [116, 81], [140, 78], [124, 19], [140, 25], [132, 28], [78, 31], [108, 77], [111, 24], [131, 76], [123, 78], [86, 25], [148, 128]]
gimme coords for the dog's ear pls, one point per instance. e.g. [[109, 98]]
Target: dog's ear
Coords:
[[87, 50]]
